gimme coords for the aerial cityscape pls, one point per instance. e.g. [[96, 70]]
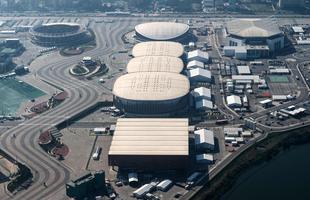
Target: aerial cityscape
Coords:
[[159, 100]]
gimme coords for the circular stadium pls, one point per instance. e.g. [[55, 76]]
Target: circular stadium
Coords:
[[158, 48], [151, 93], [59, 34], [162, 31], [255, 32], [155, 64]]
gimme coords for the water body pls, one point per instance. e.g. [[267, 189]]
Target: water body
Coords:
[[286, 177], [13, 93]]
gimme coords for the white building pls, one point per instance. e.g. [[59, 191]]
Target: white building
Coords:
[[233, 101], [202, 93], [204, 139], [232, 131], [243, 70], [198, 55], [200, 75], [205, 158], [195, 64], [246, 79], [203, 104], [253, 38], [280, 71], [266, 103]]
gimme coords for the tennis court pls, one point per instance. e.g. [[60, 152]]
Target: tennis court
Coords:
[[278, 79]]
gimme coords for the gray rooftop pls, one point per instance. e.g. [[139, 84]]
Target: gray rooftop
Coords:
[[253, 28]]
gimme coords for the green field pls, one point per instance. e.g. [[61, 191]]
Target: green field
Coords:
[[278, 79], [13, 93]]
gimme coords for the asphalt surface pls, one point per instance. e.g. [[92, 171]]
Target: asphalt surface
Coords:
[[54, 69]]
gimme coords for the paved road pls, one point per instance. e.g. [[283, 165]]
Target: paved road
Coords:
[[54, 69]]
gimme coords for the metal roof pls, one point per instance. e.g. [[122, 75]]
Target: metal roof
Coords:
[[253, 28], [233, 99], [200, 72], [150, 136], [198, 54], [151, 86], [158, 48], [204, 104], [195, 64], [162, 30], [202, 92], [155, 64], [243, 69], [204, 136]]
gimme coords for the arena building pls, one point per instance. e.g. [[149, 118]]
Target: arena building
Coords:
[[59, 34], [162, 31], [158, 48], [151, 93], [150, 144], [253, 38], [155, 64]]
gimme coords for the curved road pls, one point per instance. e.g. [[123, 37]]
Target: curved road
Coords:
[[54, 69]]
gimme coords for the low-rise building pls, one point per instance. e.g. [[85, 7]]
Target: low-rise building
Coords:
[[266, 103], [204, 139], [150, 143], [202, 93], [203, 104], [232, 131], [198, 55], [195, 64], [205, 158], [200, 75], [243, 70], [233, 101]]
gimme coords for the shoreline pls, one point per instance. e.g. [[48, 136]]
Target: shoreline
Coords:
[[262, 152]]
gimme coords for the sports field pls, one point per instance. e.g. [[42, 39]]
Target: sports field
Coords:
[[13, 93], [278, 79]]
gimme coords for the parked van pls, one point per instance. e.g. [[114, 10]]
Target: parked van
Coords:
[[96, 154]]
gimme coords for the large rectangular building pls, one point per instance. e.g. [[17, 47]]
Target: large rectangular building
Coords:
[[150, 144]]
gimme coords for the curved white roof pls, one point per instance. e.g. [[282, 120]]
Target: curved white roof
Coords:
[[61, 23], [253, 28], [155, 64], [162, 30], [158, 48], [151, 86]]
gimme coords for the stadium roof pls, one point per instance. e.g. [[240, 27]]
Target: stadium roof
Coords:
[[150, 136], [155, 64], [158, 49], [151, 86], [253, 28], [61, 23], [162, 30]]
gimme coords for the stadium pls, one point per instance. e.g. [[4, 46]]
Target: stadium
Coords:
[[59, 34], [158, 48], [155, 64], [162, 31], [253, 38], [151, 93]]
